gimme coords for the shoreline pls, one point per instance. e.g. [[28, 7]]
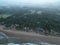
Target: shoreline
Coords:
[[32, 37]]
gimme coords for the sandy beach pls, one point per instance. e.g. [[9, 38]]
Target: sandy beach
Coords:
[[32, 37]]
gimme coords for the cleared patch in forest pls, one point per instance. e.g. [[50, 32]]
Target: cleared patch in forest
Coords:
[[4, 15]]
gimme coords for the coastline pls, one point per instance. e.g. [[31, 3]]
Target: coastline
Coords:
[[32, 37]]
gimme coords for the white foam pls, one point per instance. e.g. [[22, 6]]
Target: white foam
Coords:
[[13, 44], [29, 44]]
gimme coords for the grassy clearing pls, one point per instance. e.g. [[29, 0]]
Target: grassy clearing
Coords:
[[4, 15]]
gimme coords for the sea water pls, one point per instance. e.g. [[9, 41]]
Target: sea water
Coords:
[[28, 44], [11, 42]]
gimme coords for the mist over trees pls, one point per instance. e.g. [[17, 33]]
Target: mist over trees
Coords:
[[33, 18]]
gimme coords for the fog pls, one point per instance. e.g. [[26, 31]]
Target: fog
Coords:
[[28, 2]]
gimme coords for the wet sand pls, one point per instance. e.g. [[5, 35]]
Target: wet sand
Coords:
[[32, 37]]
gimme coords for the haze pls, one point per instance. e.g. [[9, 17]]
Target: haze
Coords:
[[28, 2]]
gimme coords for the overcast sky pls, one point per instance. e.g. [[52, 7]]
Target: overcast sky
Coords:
[[28, 2]]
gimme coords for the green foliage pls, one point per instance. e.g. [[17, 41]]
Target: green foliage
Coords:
[[47, 20]]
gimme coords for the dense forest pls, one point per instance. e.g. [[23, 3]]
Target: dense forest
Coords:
[[36, 19]]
